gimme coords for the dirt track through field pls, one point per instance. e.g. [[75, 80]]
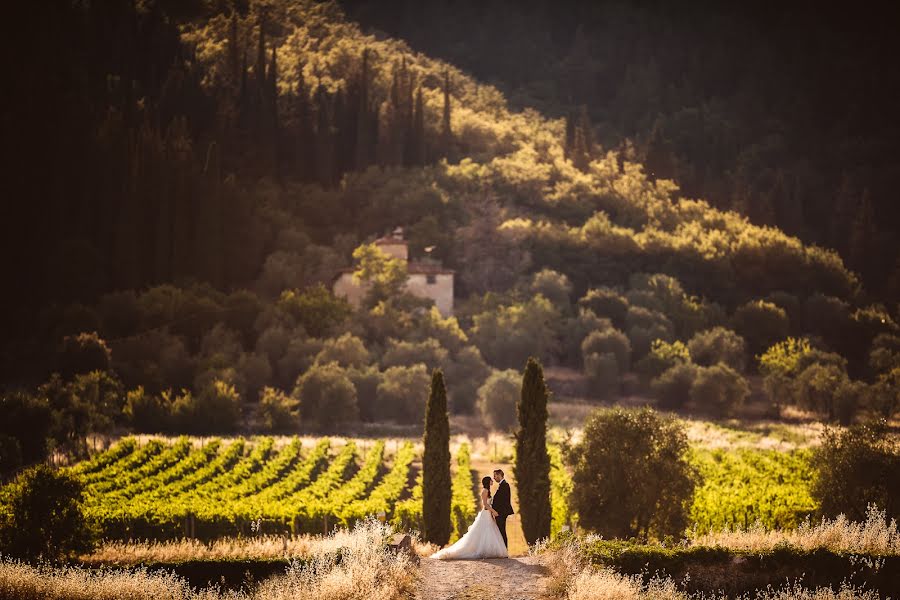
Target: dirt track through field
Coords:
[[522, 578]]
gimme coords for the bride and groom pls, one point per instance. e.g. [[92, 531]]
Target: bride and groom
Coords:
[[486, 537]]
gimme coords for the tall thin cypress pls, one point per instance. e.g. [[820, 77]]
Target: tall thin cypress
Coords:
[[532, 468], [418, 130], [446, 130], [436, 483]]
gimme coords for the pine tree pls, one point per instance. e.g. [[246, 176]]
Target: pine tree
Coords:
[[532, 468], [418, 131], [446, 130], [436, 483]]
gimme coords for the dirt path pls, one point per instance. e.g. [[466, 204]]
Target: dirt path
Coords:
[[522, 578]]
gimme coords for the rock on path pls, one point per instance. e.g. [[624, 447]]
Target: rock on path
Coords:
[[522, 578]]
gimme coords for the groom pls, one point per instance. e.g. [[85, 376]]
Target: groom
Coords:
[[502, 503]]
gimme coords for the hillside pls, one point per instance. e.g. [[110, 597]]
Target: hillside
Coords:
[[203, 190]]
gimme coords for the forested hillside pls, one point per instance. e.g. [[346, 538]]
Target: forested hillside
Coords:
[[781, 112], [189, 178]]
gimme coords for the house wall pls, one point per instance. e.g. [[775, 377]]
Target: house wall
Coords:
[[441, 291]]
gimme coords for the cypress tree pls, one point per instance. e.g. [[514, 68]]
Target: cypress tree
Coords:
[[418, 131], [306, 137], [436, 484], [532, 468], [446, 131], [364, 137], [324, 158], [234, 49]]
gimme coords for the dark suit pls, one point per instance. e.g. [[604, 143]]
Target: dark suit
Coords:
[[503, 505]]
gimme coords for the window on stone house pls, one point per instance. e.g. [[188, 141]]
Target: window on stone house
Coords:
[[430, 278]]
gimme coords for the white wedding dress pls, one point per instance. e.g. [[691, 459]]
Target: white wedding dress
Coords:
[[482, 540]]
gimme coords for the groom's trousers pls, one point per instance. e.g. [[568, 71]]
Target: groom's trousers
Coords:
[[501, 525]]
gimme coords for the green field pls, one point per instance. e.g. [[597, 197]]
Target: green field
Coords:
[[167, 488]]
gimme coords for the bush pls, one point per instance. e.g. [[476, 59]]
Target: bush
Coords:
[[761, 324], [610, 341], [327, 396], [366, 382], [315, 308], [497, 399], [278, 412], [28, 420], [827, 390], [856, 467], [347, 351], [402, 393], [662, 357], [148, 413], [508, 335], [553, 286], [717, 345], [644, 326], [718, 389], [406, 354], [83, 353], [631, 476], [608, 303], [42, 516], [672, 389], [603, 369], [464, 374], [216, 409]]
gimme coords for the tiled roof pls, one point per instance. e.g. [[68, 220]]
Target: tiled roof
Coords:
[[390, 241]]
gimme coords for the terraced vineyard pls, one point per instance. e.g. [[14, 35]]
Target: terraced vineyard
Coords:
[[165, 489]]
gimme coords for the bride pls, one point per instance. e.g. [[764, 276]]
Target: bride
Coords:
[[483, 539]]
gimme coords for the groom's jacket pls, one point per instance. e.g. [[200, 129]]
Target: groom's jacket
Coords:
[[501, 501]]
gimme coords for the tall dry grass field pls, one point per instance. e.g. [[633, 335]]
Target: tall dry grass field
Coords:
[[366, 570]]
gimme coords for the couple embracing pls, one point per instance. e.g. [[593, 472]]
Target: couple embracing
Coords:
[[486, 537]]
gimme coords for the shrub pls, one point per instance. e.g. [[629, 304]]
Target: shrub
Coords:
[[327, 395], [315, 308], [612, 341], [10, 455], [662, 357], [28, 420], [856, 467], [401, 394], [717, 345], [42, 517], [278, 412], [631, 476], [366, 382], [400, 353], [606, 302], [83, 353], [465, 373], [761, 324], [148, 413], [644, 326], [216, 409], [497, 399], [553, 286], [718, 389], [575, 329], [347, 351], [825, 389], [603, 370], [508, 335], [672, 389]]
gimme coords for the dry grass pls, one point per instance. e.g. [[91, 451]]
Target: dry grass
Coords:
[[269, 547], [573, 578], [365, 571], [876, 535]]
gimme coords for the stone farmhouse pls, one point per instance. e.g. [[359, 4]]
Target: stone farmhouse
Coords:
[[426, 278]]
